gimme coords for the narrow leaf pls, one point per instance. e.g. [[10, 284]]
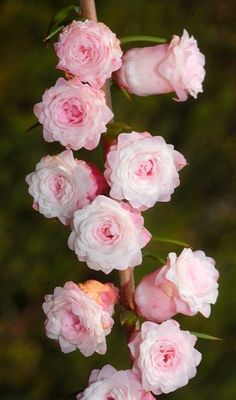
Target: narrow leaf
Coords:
[[63, 14], [59, 21], [36, 125], [115, 128], [53, 33], [154, 256], [142, 38], [169, 240], [205, 336]]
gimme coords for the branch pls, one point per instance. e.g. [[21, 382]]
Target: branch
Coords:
[[88, 9], [127, 286]]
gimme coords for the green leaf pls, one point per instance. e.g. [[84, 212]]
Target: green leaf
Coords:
[[53, 33], [63, 14], [36, 125], [128, 318], [205, 336], [169, 240], [59, 21], [142, 38], [154, 256], [115, 128]]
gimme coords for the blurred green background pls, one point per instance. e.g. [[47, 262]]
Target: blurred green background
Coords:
[[33, 250]]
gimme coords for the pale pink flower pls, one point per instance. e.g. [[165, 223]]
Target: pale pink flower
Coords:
[[174, 67], [108, 235], [154, 297], [77, 320], [90, 51], [142, 169], [108, 383], [61, 184], [186, 284], [164, 356], [73, 114], [194, 276]]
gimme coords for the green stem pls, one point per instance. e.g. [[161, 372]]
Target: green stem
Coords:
[[142, 38], [172, 241]]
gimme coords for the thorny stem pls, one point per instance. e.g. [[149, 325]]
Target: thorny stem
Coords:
[[127, 286]]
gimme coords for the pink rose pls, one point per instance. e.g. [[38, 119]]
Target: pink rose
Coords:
[[164, 356], [61, 184], [186, 284], [73, 114], [77, 320], [90, 51], [142, 169], [194, 277], [108, 235], [174, 67], [108, 383]]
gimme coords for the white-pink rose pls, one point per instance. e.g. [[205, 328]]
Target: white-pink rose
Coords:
[[164, 356], [73, 114], [77, 320], [142, 169], [174, 67], [108, 235], [88, 50], [61, 184], [108, 383], [194, 277], [187, 284]]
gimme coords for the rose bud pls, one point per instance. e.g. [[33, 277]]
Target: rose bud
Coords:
[[186, 284], [108, 383], [88, 50], [61, 184], [77, 319], [73, 114], [174, 67], [164, 356], [142, 169], [154, 298], [108, 235]]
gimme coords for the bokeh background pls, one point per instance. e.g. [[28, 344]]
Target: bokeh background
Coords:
[[33, 250]]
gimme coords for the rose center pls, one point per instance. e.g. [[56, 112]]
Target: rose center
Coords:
[[57, 186], [85, 52], [74, 113], [145, 169], [166, 356], [72, 323], [108, 232]]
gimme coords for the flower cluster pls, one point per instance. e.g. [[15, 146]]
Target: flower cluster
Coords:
[[104, 210]]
